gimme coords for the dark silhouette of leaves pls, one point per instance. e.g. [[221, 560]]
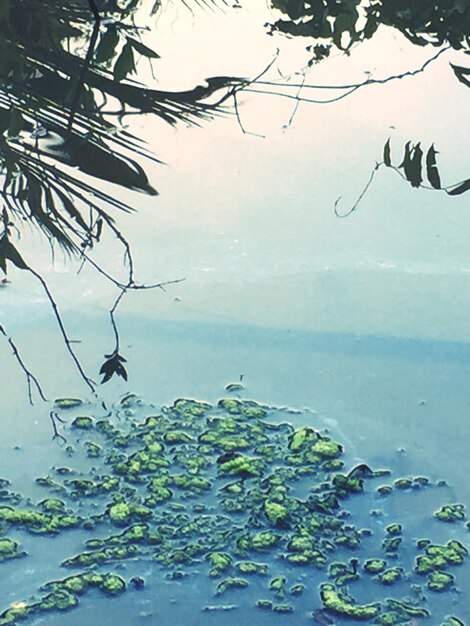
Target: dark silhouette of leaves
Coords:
[[460, 188], [387, 155], [431, 168], [462, 73], [113, 365]]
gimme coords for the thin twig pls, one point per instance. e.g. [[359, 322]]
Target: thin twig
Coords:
[[54, 419], [67, 341], [30, 377], [362, 194]]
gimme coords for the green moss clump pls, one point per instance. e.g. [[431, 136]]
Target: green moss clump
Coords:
[[52, 505], [9, 549], [374, 566], [278, 586], [67, 403], [248, 567], [231, 583], [173, 437], [263, 541], [407, 610], [276, 513], [113, 585], [391, 576], [403, 483], [265, 605], [231, 405], [241, 466], [301, 437], [93, 450], [394, 529], [440, 581], [220, 561], [58, 600], [327, 448], [334, 601], [17, 612], [451, 513], [297, 589], [123, 513], [83, 423]]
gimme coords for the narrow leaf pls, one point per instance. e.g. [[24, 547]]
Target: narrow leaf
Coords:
[[431, 168], [107, 46], [462, 73], [460, 188], [9, 252], [142, 49], [124, 64], [387, 155]]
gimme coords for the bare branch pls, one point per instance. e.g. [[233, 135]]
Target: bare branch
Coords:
[[30, 377]]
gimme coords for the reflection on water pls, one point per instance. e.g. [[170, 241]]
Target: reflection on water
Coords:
[[363, 320]]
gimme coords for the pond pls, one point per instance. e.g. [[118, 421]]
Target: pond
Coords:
[[329, 484]]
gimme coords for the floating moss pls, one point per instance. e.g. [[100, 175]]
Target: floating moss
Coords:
[[451, 513], [82, 423], [391, 576], [374, 566], [403, 483], [342, 605], [394, 529], [220, 561], [9, 549], [297, 589], [265, 605], [67, 403], [231, 583], [276, 513], [407, 610], [440, 581], [248, 567]]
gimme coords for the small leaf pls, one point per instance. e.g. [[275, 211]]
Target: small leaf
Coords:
[[462, 73], [431, 168], [460, 188], [387, 156], [125, 63], [107, 46], [411, 164], [141, 49], [10, 253]]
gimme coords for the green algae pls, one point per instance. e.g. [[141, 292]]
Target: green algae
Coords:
[[251, 568], [37, 522], [374, 566], [67, 403], [197, 484], [341, 604], [83, 423], [220, 561], [391, 575], [440, 581], [9, 549], [451, 513], [230, 584]]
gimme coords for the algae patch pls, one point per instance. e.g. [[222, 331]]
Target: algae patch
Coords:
[[236, 493]]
